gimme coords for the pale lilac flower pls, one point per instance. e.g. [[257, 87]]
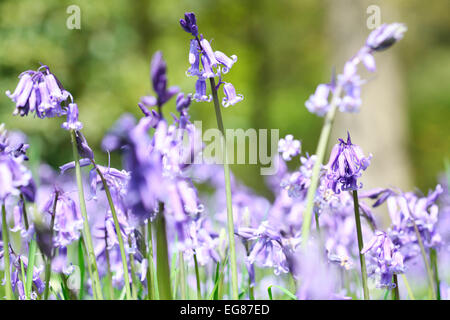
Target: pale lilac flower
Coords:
[[384, 259], [226, 61], [267, 249], [13, 176], [385, 36], [231, 98], [68, 219], [318, 102], [289, 147], [351, 87], [72, 122]]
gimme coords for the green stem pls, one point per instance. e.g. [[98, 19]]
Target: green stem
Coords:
[[22, 269], [162, 256], [362, 259], [48, 264], [433, 258], [395, 292], [134, 281], [226, 169], [87, 232], [408, 288], [197, 277], [118, 232], [31, 252], [182, 276], [82, 267], [425, 259], [320, 154], [109, 273], [151, 283], [6, 259]]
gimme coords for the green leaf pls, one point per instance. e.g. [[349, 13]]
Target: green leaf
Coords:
[[214, 293], [31, 261], [82, 266], [285, 291]]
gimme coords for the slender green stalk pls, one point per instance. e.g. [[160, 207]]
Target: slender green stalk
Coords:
[[118, 232], [87, 232], [6, 259], [226, 169], [197, 277], [31, 252], [433, 258], [82, 267], [162, 256], [134, 281], [408, 288], [320, 155], [395, 292], [362, 259], [425, 260], [31, 261], [109, 275], [22, 269], [48, 264], [182, 276], [24, 209], [151, 281]]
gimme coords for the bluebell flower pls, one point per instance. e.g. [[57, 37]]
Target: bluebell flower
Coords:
[[68, 221], [231, 98], [289, 147], [200, 91], [345, 166], [72, 122], [39, 92], [385, 36], [318, 102], [384, 259]]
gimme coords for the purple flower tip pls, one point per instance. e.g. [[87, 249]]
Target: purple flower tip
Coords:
[[189, 24]]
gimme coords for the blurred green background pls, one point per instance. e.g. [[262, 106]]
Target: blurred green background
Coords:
[[283, 48]]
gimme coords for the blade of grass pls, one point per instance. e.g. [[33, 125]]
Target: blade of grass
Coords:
[[284, 290]]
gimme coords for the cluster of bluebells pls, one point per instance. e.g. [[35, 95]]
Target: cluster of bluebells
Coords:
[[161, 179], [345, 91], [206, 64]]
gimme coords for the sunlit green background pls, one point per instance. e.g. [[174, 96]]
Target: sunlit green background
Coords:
[[283, 53]]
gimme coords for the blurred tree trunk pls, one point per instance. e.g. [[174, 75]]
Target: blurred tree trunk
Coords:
[[380, 127]]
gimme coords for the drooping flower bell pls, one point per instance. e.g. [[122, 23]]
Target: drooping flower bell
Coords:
[[384, 258], [231, 98], [39, 92], [72, 122], [68, 220], [318, 102], [345, 166], [385, 36]]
